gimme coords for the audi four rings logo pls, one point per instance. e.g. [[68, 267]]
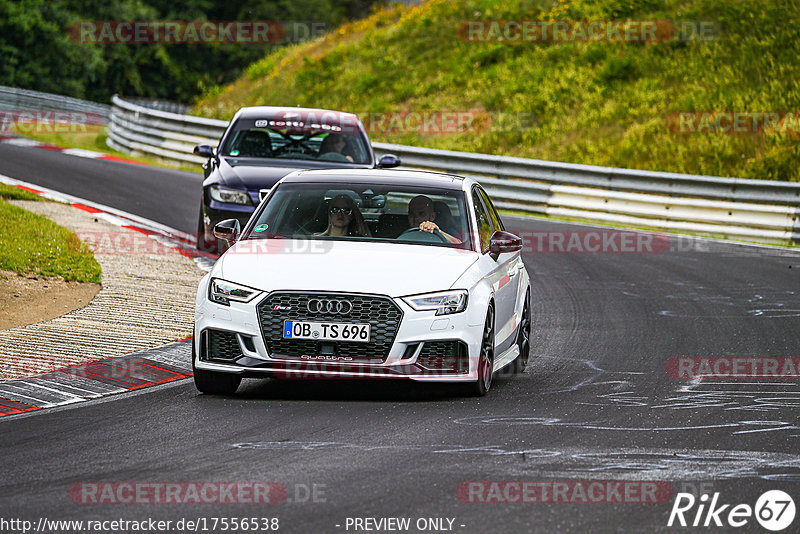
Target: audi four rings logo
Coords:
[[334, 306]]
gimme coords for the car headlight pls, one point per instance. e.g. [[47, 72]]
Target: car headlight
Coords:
[[222, 292], [444, 302], [230, 196]]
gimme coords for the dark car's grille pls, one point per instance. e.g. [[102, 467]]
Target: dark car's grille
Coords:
[[444, 357], [381, 313], [220, 345]]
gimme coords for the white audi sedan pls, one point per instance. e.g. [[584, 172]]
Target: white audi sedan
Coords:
[[365, 273]]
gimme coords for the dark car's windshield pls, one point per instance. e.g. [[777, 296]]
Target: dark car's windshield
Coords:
[[371, 213], [324, 138]]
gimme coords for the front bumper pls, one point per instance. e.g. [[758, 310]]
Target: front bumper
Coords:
[[230, 339], [217, 212]]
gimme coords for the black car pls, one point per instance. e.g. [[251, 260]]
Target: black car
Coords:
[[262, 145]]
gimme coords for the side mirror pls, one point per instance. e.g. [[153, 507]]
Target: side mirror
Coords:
[[204, 151], [388, 161], [229, 230], [502, 241]]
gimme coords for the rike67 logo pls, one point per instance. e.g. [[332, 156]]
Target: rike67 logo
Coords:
[[774, 510]]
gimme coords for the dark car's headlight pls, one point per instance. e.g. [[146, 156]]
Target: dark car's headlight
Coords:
[[222, 292], [220, 193], [444, 302]]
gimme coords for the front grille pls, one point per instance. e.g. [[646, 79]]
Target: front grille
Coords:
[[381, 313], [444, 357], [220, 345]]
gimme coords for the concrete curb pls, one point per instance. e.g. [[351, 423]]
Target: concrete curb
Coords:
[[97, 379], [147, 300]]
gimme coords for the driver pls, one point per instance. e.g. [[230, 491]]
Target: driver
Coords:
[[421, 215], [336, 143]]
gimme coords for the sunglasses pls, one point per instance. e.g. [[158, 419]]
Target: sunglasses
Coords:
[[337, 209]]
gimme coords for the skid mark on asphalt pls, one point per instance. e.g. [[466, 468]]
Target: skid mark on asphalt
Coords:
[[490, 450], [615, 389], [741, 427], [743, 396], [737, 302], [575, 462], [96, 379]]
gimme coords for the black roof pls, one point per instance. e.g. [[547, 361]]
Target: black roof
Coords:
[[378, 176]]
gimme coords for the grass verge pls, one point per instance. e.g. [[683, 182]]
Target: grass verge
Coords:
[[32, 244], [9, 192]]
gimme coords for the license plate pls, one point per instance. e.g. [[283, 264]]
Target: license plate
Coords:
[[358, 332]]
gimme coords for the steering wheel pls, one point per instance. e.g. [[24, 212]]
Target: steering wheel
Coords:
[[333, 156], [422, 237]]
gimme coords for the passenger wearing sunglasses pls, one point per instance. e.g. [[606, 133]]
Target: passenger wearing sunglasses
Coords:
[[345, 219]]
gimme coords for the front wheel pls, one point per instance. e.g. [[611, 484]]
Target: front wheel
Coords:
[[481, 386], [213, 383]]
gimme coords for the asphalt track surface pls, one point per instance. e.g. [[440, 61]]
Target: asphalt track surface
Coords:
[[596, 402]]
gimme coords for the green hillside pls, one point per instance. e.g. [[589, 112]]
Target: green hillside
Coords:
[[596, 102]]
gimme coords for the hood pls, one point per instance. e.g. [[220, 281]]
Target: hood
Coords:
[[252, 176], [357, 267]]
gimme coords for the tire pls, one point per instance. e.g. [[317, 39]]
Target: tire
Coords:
[[524, 338], [212, 383], [202, 244], [481, 386]]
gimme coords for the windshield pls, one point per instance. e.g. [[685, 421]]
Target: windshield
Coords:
[[326, 138], [365, 212]]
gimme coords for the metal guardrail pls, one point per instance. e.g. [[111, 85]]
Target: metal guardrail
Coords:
[[168, 136], [18, 100], [734, 208], [161, 105]]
